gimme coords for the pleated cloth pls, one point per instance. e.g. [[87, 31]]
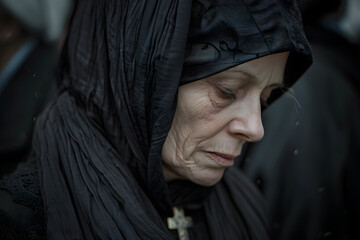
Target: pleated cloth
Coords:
[[98, 144]]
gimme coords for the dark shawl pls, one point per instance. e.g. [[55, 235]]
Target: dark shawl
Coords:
[[98, 145]]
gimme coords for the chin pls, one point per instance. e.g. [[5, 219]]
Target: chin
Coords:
[[207, 178]]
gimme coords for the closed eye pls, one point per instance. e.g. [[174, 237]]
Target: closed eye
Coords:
[[227, 93], [223, 91]]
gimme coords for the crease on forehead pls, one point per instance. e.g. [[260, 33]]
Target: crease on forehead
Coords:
[[270, 68], [240, 72]]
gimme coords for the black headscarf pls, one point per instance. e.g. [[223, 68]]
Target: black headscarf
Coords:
[[99, 143]]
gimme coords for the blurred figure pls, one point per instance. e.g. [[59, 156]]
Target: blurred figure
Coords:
[[349, 23], [29, 39], [308, 164]]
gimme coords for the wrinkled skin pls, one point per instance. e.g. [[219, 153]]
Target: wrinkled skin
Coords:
[[215, 116]]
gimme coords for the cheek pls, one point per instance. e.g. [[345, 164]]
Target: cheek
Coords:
[[198, 107], [201, 126], [193, 114]]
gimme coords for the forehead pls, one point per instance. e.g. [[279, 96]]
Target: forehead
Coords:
[[269, 69]]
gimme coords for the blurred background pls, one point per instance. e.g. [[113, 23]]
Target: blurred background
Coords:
[[31, 36]]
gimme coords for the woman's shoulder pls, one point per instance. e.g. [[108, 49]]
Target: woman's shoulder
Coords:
[[21, 209]]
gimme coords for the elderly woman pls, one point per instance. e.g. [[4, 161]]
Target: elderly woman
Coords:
[[156, 100]]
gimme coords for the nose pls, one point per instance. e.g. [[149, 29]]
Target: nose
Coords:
[[246, 123]]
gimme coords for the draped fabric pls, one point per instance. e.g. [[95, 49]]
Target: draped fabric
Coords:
[[98, 144], [98, 197], [245, 30], [121, 64]]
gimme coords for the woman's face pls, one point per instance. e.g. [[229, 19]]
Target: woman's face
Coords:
[[215, 116]]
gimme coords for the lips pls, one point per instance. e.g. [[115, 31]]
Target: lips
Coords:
[[225, 160]]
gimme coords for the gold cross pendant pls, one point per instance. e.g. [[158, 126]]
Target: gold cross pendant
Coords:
[[180, 222]]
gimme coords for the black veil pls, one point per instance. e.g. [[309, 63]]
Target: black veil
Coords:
[[98, 144]]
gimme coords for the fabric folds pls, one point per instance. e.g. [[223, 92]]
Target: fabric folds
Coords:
[[99, 197], [98, 145], [224, 34]]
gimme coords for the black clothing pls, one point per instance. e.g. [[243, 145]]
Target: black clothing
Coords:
[[308, 163], [199, 202], [337, 51], [235, 32], [98, 144], [22, 212]]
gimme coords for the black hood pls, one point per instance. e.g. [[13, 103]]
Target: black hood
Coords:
[[125, 70], [224, 34], [99, 143]]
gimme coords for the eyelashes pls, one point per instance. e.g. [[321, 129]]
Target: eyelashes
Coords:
[[225, 96], [226, 93]]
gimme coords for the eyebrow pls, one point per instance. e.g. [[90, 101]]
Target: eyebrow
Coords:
[[254, 79], [248, 75]]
